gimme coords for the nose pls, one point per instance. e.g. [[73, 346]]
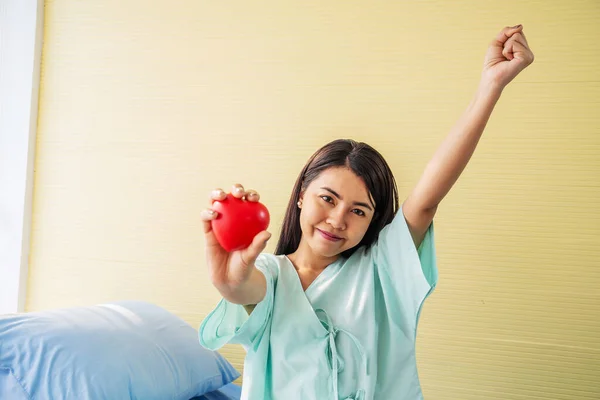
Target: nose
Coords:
[[337, 218]]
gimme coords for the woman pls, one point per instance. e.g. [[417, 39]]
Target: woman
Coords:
[[334, 313]]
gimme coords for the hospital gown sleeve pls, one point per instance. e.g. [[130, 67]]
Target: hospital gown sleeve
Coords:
[[229, 323], [409, 273]]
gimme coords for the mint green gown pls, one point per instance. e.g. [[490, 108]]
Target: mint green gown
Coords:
[[350, 335]]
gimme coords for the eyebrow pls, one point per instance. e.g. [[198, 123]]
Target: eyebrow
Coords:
[[356, 203]]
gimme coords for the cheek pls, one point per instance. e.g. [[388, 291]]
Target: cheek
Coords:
[[361, 229], [306, 220], [312, 213]]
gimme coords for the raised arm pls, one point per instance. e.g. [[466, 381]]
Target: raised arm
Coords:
[[508, 54]]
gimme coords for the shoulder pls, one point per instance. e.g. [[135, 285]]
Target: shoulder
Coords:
[[270, 263]]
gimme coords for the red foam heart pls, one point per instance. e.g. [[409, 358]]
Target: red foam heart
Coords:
[[238, 222]]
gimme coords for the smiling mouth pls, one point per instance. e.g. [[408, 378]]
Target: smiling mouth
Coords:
[[329, 236]]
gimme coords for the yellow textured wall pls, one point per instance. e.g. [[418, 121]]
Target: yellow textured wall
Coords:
[[146, 106]]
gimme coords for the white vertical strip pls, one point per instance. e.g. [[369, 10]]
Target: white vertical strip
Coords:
[[21, 35]]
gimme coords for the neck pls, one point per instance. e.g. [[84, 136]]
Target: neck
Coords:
[[305, 259]]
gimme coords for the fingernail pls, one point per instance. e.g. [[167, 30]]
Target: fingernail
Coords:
[[517, 26]]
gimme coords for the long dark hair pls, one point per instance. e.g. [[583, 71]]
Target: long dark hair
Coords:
[[369, 165]]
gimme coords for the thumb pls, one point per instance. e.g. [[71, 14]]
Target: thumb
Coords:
[[251, 253]]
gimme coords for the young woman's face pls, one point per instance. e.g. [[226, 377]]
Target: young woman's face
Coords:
[[336, 212]]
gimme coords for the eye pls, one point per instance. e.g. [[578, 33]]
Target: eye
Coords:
[[327, 198], [359, 212]]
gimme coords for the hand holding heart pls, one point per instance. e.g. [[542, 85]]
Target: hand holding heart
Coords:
[[235, 233]]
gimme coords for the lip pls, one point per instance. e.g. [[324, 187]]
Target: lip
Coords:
[[329, 236]]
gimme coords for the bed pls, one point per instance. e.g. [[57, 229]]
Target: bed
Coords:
[[120, 350]]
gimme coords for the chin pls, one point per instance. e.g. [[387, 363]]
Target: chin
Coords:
[[330, 254], [327, 250]]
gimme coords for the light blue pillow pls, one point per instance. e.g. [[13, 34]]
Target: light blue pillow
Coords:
[[121, 350], [227, 392]]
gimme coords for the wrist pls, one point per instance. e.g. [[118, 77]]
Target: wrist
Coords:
[[250, 290], [490, 89]]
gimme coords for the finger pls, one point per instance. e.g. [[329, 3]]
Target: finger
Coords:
[[522, 34], [506, 33], [259, 243], [238, 191], [252, 195], [217, 194], [520, 38], [522, 54], [520, 48], [507, 50], [207, 216], [516, 41]]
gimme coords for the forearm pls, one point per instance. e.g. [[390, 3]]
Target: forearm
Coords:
[[456, 150], [249, 292]]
